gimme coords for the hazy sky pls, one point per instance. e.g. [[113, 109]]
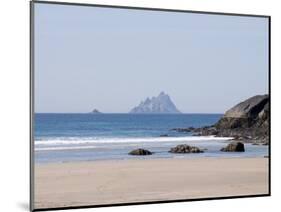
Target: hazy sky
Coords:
[[111, 59]]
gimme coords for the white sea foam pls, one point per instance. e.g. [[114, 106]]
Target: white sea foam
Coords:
[[86, 141], [64, 148]]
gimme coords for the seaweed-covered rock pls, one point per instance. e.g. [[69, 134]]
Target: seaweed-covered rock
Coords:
[[234, 147], [140, 152], [184, 148]]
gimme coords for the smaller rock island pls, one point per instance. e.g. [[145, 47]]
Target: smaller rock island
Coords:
[[96, 111]]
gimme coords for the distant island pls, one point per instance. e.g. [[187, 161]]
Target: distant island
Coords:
[[160, 104], [95, 111]]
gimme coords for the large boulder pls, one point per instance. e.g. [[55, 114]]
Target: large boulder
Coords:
[[234, 147], [140, 152], [249, 108], [245, 114], [184, 148]]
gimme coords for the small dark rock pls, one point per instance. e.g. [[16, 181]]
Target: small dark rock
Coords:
[[197, 134], [140, 152], [266, 143], [184, 148], [238, 138], [164, 135], [189, 129], [234, 147]]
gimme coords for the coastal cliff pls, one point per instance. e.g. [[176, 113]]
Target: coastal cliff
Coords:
[[248, 120]]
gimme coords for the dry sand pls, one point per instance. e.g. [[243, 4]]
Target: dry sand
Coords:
[[108, 182]]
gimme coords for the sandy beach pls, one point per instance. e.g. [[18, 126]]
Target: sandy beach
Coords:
[[123, 181]]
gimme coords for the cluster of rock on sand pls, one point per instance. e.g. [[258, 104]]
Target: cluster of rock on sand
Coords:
[[184, 148], [247, 121]]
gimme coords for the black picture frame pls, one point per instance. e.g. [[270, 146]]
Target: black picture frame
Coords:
[[31, 107]]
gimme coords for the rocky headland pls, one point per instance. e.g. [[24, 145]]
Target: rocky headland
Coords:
[[247, 121]]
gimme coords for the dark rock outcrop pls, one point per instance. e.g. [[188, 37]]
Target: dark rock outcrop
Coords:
[[184, 148], [246, 114], [234, 147], [248, 120], [189, 129], [140, 152]]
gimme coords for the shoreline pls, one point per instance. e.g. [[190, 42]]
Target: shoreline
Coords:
[[148, 158], [103, 151], [134, 180]]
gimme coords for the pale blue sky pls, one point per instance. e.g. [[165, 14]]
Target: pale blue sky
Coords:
[[111, 59]]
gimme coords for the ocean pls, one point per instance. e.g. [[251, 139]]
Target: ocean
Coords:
[[89, 137]]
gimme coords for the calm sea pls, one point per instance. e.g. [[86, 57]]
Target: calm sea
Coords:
[[86, 137]]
